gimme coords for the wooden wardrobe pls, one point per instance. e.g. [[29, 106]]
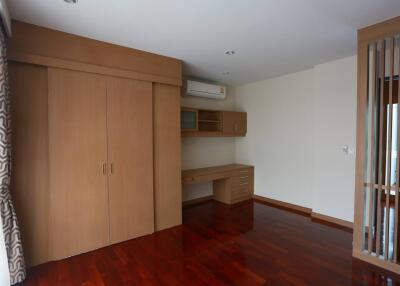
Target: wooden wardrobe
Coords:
[[96, 142]]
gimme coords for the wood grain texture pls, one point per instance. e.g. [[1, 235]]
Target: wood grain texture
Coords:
[[242, 184], [388, 28], [222, 190], [362, 77], [197, 201], [167, 156], [77, 152], [205, 134], [90, 68], [232, 183], [29, 180], [35, 40], [366, 36], [249, 244], [333, 220], [130, 157], [234, 123], [215, 123], [226, 170], [283, 205]]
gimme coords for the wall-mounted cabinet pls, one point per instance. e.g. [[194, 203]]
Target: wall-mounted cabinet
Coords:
[[212, 123], [234, 123]]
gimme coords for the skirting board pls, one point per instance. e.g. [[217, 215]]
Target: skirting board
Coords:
[[197, 201], [307, 211], [332, 220], [284, 205]]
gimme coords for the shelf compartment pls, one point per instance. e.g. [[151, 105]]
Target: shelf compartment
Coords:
[[210, 115], [210, 126]]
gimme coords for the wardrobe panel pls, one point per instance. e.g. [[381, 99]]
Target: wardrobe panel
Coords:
[[29, 176], [77, 157], [130, 153], [167, 156]]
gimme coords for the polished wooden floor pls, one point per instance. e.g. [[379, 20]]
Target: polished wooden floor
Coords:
[[249, 244]]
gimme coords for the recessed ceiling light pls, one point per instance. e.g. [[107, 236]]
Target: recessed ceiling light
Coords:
[[230, 52], [71, 1]]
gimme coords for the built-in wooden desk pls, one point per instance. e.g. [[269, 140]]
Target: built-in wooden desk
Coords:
[[231, 183]]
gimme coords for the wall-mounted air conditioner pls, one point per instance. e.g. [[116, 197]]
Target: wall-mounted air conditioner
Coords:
[[197, 88]]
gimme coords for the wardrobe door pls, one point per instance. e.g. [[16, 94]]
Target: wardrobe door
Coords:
[[167, 156], [77, 157], [29, 176], [130, 151]]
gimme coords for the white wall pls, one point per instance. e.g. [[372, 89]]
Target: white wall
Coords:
[[279, 137], [205, 152], [335, 108], [297, 125]]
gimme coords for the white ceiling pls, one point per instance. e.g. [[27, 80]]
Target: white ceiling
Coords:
[[270, 37]]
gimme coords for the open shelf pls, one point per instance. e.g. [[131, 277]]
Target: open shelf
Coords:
[[210, 126], [212, 123], [203, 120]]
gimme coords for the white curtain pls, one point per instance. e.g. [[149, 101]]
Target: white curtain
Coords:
[[4, 273], [10, 232]]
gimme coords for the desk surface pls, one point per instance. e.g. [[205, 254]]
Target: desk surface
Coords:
[[231, 183], [192, 174]]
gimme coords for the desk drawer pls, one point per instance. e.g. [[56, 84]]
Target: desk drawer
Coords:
[[240, 196], [241, 185], [243, 178], [205, 178], [242, 172], [240, 180]]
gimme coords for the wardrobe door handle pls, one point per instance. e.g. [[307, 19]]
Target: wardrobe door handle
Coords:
[[104, 169], [112, 168]]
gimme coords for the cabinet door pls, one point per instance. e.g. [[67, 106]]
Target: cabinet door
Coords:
[[234, 123], [29, 180], [77, 153], [167, 156], [130, 151]]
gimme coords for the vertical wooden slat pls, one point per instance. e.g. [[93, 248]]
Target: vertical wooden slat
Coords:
[[372, 67], [381, 110], [359, 200], [396, 207], [389, 151]]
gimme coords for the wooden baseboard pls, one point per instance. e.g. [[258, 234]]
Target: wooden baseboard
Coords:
[[283, 205], [338, 223], [332, 220], [197, 201]]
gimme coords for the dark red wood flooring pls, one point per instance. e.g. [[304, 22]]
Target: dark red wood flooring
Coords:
[[249, 244]]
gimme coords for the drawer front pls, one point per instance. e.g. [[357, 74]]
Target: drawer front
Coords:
[[240, 197], [242, 172], [239, 181], [241, 185], [243, 177]]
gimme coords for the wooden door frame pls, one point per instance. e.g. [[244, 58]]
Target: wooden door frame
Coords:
[[366, 36]]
